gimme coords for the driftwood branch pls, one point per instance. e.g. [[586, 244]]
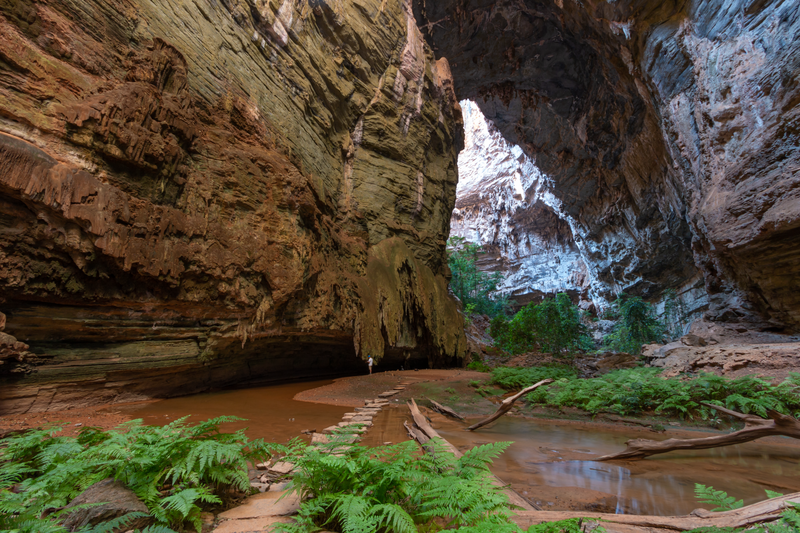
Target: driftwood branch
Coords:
[[755, 427], [766, 511], [507, 404], [445, 410], [424, 432]]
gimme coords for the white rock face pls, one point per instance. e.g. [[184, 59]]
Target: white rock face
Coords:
[[503, 203]]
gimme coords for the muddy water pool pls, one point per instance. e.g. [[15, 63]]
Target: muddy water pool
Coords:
[[271, 412], [549, 464]]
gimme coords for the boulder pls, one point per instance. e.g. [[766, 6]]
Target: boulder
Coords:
[[115, 500]]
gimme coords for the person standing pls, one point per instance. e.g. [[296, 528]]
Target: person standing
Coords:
[[370, 361]]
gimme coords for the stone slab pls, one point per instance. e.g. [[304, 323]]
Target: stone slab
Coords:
[[264, 505], [250, 525]]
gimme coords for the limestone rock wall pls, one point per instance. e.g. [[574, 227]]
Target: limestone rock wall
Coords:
[[669, 130], [197, 193], [503, 203]]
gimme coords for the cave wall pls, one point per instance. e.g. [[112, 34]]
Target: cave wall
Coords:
[[503, 203], [669, 130], [202, 193]]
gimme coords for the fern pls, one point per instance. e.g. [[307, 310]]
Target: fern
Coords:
[[719, 498], [789, 522], [571, 525], [174, 470], [395, 488], [636, 390]]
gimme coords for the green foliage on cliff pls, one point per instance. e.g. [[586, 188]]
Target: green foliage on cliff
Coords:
[[396, 488], [175, 470], [633, 391], [554, 325], [636, 325], [477, 290]]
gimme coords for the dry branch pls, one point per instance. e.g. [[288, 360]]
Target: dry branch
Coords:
[[507, 404], [426, 431], [755, 427], [445, 410], [751, 515]]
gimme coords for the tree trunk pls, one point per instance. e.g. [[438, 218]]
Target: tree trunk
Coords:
[[755, 427], [507, 404], [766, 511]]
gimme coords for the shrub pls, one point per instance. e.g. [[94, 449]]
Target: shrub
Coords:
[[477, 290], [478, 365], [636, 325], [554, 324], [174, 470]]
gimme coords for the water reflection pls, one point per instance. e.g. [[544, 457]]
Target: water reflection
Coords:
[[544, 464]]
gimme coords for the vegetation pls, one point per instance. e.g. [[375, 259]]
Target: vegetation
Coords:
[[636, 390], [719, 498], [175, 470], [396, 488], [477, 290], [571, 525], [554, 324], [788, 523], [636, 325], [519, 378], [478, 366]]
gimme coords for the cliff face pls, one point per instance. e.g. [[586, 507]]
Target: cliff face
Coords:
[[504, 203], [669, 131], [196, 193]]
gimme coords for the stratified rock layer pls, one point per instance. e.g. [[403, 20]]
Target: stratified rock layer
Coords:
[[196, 193], [502, 204], [670, 131]]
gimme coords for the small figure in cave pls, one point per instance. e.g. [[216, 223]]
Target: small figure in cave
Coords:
[[370, 362]]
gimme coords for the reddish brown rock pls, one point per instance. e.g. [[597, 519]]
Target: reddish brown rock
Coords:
[[204, 194]]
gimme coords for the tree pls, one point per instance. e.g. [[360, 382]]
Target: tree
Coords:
[[555, 324], [636, 325], [473, 287]]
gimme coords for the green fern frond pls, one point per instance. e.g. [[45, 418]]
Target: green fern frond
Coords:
[[719, 498]]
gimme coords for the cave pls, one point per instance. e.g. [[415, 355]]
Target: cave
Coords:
[[273, 201]]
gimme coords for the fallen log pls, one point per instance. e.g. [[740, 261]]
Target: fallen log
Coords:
[[423, 427], [443, 409], [755, 427], [416, 434], [507, 404], [758, 513]]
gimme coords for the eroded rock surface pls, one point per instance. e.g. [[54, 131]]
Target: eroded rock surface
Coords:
[[669, 131], [196, 193], [503, 202]]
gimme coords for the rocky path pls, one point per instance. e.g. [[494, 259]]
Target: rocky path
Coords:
[[274, 504]]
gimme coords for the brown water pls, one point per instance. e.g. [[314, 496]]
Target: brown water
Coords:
[[271, 412], [545, 464], [548, 463]]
